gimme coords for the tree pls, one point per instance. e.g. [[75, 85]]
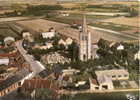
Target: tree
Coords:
[[73, 51], [103, 44]]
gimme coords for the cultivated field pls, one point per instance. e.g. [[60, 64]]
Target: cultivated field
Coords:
[[124, 21], [129, 3], [41, 25], [6, 31], [13, 19], [65, 29]]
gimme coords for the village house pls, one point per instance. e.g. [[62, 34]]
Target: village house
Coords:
[[54, 58], [43, 47], [14, 81], [9, 41], [66, 42], [115, 74], [51, 33], [39, 83], [69, 71], [64, 14], [120, 47], [62, 42], [104, 78], [137, 55], [69, 41], [4, 61], [27, 36], [101, 83]]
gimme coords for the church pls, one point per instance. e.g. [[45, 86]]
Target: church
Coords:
[[87, 50]]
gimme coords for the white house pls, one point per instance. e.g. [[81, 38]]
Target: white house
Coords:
[[101, 83], [79, 83], [94, 48], [62, 42], [47, 46], [115, 74], [9, 40], [4, 61], [137, 55], [26, 34], [65, 14], [69, 41], [120, 47], [69, 71], [48, 34]]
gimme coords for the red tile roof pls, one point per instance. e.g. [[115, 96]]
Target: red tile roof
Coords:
[[39, 83]]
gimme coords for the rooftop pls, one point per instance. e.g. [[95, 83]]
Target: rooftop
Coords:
[[111, 72], [39, 83], [13, 79], [45, 73]]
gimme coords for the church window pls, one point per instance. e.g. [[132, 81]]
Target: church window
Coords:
[[86, 38], [84, 57], [83, 38], [91, 57]]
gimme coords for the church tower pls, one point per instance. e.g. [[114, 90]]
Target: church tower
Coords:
[[85, 42]]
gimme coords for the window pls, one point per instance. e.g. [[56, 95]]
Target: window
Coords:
[[125, 75], [86, 38], [113, 76], [83, 38], [119, 76], [19, 83], [84, 57], [105, 87], [91, 57], [97, 88]]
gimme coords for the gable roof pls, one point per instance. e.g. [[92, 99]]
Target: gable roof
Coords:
[[13, 79]]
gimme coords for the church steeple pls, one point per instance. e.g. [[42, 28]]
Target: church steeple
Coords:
[[84, 27], [85, 42]]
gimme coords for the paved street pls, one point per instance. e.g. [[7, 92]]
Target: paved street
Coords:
[[36, 66]]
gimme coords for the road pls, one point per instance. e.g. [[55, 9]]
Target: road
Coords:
[[36, 66]]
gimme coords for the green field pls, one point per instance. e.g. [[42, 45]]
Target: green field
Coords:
[[112, 26], [77, 17], [95, 21], [104, 96]]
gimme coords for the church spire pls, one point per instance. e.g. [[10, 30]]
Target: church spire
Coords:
[[84, 24]]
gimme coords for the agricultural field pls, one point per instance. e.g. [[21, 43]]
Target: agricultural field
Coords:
[[124, 21], [108, 22], [77, 17], [6, 31], [44, 25], [112, 26]]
